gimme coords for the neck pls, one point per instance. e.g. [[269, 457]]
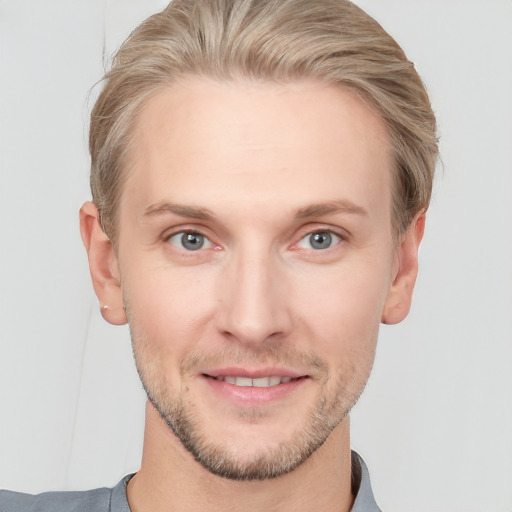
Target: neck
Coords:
[[171, 479]]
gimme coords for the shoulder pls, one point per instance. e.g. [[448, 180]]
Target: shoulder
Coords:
[[361, 487], [95, 500]]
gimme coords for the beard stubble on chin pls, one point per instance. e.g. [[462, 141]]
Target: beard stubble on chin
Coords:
[[215, 457]]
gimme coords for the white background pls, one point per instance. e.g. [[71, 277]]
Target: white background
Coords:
[[435, 423]]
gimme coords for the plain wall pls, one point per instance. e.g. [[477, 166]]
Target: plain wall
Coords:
[[435, 422]]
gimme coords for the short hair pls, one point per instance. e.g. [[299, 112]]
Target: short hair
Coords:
[[274, 40]]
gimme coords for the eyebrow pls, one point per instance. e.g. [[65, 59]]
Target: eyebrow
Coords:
[[313, 210], [330, 208], [190, 212]]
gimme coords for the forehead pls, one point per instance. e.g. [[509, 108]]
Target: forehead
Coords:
[[258, 144]]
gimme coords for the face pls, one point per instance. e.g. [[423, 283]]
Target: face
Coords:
[[256, 256]]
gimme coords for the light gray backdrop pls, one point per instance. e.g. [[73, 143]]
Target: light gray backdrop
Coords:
[[435, 423]]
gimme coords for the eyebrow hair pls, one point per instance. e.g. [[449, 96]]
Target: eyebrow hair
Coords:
[[313, 210], [341, 206], [191, 212]]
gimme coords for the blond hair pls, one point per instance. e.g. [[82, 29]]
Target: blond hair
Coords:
[[277, 40]]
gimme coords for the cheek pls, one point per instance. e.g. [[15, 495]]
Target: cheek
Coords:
[[342, 326], [343, 311], [168, 308], [167, 315]]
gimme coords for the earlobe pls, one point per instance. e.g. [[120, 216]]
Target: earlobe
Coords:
[[103, 265], [398, 300]]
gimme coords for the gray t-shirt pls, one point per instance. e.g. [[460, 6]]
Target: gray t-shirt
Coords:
[[114, 500]]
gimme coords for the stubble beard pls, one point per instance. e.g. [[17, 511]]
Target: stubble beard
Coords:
[[324, 416], [271, 463]]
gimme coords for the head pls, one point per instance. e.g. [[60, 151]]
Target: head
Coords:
[[260, 173]]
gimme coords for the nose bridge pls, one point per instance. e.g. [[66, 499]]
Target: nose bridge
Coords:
[[253, 305]]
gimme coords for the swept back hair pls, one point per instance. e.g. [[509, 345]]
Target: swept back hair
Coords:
[[333, 41]]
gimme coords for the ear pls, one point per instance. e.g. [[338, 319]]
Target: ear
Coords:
[[103, 265], [398, 300]]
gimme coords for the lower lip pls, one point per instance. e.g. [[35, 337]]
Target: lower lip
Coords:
[[251, 396]]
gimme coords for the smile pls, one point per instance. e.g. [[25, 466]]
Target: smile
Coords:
[[253, 388], [260, 382]]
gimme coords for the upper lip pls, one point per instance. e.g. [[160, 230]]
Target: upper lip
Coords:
[[253, 373]]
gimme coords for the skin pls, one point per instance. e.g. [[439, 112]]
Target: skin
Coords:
[[256, 169]]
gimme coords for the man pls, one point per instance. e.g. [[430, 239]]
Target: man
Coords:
[[260, 176]]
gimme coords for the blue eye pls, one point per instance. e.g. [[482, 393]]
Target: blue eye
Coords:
[[319, 240], [190, 241]]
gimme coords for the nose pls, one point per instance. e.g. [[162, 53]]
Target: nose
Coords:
[[253, 306]]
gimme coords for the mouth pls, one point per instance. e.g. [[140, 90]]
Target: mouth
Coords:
[[258, 382], [254, 387]]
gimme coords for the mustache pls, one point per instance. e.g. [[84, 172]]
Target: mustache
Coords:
[[289, 357]]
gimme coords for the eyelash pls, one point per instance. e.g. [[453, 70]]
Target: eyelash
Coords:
[[192, 233], [332, 237], [326, 233]]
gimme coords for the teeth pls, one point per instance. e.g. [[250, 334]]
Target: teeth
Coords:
[[260, 382], [274, 381], [243, 381]]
